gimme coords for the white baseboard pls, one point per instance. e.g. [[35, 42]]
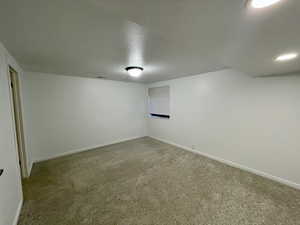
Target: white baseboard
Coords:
[[233, 164], [15, 222], [84, 149], [30, 168]]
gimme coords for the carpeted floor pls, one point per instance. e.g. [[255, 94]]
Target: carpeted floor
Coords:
[[147, 182]]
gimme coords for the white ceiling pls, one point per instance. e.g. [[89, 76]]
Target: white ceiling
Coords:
[[169, 38]]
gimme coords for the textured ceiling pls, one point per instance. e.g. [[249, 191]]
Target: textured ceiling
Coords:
[[169, 38]]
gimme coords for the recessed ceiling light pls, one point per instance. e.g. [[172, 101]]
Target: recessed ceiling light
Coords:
[[134, 71], [286, 57], [258, 4]]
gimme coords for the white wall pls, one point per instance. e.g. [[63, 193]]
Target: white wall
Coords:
[[65, 114], [10, 181], [254, 122]]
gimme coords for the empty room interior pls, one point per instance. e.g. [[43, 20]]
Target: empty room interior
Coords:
[[150, 112]]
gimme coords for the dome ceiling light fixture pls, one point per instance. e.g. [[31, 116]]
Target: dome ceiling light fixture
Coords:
[[259, 4], [134, 71]]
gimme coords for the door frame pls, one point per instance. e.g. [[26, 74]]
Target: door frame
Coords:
[[16, 108]]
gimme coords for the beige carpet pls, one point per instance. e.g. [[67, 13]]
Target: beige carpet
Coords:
[[146, 182]]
